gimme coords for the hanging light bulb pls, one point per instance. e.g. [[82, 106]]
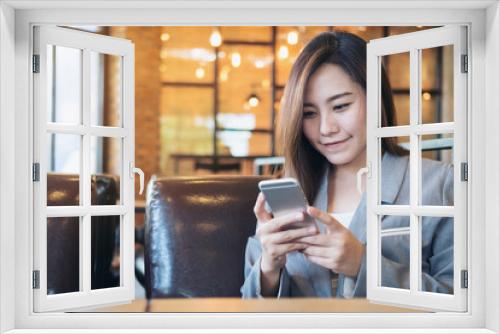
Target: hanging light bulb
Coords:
[[215, 38], [200, 72], [259, 64], [253, 100], [292, 37], [164, 37], [235, 59], [283, 52]]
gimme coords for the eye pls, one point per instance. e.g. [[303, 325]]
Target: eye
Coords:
[[308, 114], [341, 107]]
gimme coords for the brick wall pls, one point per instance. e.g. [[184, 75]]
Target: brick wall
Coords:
[[147, 97]]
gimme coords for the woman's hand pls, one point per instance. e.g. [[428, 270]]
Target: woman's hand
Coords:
[[276, 239], [338, 250]]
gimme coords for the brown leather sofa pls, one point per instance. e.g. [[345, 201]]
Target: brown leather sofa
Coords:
[[196, 233], [63, 234]]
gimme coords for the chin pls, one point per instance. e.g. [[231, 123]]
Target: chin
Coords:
[[338, 158]]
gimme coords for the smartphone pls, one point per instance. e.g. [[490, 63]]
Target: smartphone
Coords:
[[285, 196]]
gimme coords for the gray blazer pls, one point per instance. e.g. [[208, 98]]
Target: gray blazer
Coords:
[[302, 278]]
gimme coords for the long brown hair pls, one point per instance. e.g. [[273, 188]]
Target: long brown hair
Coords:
[[347, 50]]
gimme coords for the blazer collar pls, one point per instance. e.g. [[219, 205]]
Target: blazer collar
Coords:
[[393, 171]]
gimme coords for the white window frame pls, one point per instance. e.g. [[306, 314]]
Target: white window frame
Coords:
[[16, 19], [413, 44], [86, 43]]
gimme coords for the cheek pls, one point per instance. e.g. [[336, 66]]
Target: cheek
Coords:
[[355, 122]]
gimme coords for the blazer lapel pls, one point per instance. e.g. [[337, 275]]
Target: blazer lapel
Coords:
[[393, 173]]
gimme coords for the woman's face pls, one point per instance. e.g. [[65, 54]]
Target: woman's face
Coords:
[[334, 115]]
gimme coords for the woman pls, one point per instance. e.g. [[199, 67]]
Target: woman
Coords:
[[323, 133]]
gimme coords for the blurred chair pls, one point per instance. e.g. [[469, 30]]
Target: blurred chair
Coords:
[[216, 165], [196, 234], [268, 165], [63, 234]]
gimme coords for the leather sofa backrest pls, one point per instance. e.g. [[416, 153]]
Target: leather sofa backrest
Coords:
[[196, 233]]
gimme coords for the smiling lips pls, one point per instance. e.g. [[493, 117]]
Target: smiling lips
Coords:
[[335, 143]]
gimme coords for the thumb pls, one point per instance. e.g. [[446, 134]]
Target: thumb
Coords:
[[325, 218]]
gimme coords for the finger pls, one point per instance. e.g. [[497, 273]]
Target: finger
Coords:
[[277, 224], [324, 217], [316, 251], [283, 249], [322, 261], [260, 210], [290, 235], [320, 240], [284, 222]]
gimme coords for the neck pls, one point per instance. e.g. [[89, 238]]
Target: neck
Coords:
[[342, 193], [351, 169]]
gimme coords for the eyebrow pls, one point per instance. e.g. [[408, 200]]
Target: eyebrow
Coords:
[[330, 99]]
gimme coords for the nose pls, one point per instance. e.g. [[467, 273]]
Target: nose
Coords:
[[328, 124]]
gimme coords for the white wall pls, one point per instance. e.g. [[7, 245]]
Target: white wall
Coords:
[[7, 179], [493, 163]]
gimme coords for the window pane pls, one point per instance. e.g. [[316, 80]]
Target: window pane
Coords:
[[105, 169], [63, 169], [63, 255], [187, 55], [387, 183], [437, 85], [395, 252], [245, 87], [64, 85], [437, 254], [398, 71], [105, 247], [105, 102], [437, 169]]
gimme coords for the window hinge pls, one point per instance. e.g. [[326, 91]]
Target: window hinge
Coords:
[[464, 171], [36, 279], [465, 279], [36, 172], [36, 63], [465, 66]]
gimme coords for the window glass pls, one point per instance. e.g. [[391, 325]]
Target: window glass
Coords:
[[63, 169], [105, 249], [64, 88], [63, 255], [110, 67]]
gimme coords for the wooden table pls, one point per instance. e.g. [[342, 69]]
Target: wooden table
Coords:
[[286, 305]]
